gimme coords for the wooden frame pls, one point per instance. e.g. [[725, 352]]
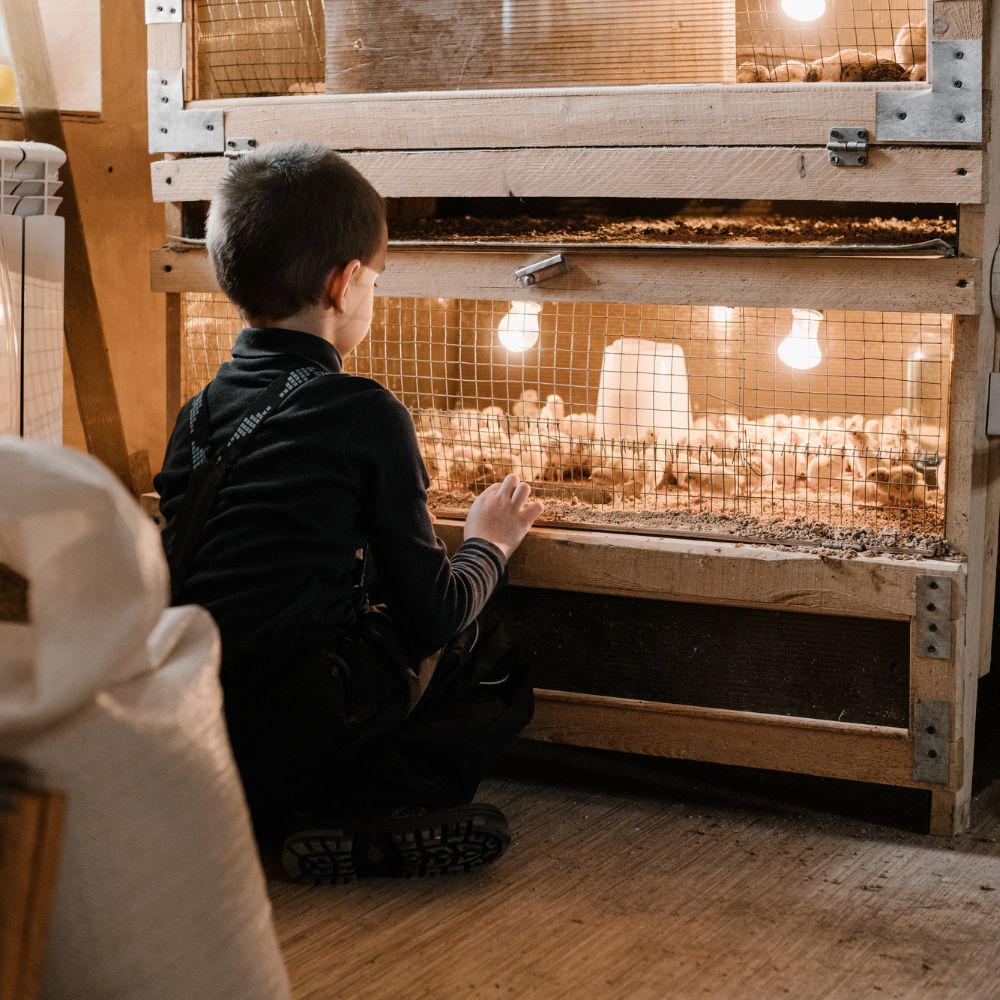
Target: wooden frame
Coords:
[[727, 573], [793, 173], [695, 142], [874, 283]]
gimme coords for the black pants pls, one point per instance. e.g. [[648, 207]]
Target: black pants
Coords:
[[338, 731]]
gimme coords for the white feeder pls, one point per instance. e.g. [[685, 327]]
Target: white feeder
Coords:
[[643, 388]]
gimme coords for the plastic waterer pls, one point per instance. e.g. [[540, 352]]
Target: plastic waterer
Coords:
[[643, 391]]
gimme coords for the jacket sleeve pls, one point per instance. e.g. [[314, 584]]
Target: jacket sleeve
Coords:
[[428, 594]]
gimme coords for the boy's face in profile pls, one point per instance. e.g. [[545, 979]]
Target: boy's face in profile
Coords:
[[353, 325]]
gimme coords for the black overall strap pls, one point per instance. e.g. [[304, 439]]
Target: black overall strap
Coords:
[[209, 468]]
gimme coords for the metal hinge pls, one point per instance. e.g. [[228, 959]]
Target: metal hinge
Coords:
[[848, 147], [240, 145]]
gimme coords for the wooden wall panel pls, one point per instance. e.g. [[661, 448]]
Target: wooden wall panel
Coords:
[[111, 167]]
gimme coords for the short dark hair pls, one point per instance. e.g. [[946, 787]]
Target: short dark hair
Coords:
[[283, 217]]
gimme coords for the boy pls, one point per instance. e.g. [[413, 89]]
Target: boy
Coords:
[[278, 480]]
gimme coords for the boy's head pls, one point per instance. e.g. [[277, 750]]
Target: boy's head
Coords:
[[283, 218]]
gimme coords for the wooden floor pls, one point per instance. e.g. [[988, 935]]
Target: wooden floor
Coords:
[[648, 879]]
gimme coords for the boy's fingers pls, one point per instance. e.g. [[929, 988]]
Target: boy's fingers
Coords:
[[520, 495], [509, 485], [533, 509]]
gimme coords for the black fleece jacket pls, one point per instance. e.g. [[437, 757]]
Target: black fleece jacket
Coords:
[[336, 467]]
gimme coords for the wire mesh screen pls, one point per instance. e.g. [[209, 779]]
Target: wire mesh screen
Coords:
[[247, 48], [831, 41], [779, 414], [209, 325], [626, 414], [258, 48]]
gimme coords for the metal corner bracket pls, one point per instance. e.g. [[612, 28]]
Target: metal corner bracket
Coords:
[[950, 110], [164, 11], [933, 615], [931, 740], [172, 129]]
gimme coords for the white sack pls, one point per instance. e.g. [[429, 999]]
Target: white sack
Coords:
[[116, 701], [99, 582]]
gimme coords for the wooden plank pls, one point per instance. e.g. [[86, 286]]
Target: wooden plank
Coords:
[[893, 174], [44, 874], [173, 326], [879, 754], [872, 283], [750, 576], [20, 829], [957, 19], [173, 316], [31, 824], [626, 116], [978, 488], [633, 878], [973, 504]]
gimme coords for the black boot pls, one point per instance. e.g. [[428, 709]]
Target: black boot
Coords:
[[411, 842]]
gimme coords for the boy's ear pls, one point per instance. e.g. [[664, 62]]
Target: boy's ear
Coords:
[[338, 283]]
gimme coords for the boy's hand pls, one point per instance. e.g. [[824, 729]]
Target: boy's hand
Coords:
[[502, 514]]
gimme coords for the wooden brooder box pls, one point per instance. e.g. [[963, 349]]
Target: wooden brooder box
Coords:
[[857, 661]]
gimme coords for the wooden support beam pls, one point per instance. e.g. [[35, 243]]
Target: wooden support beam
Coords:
[[956, 19], [797, 173], [902, 284], [750, 576], [655, 115], [975, 503], [877, 754]]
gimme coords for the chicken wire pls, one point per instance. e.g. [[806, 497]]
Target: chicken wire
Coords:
[[257, 48], [642, 410], [850, 41], [248, 48]]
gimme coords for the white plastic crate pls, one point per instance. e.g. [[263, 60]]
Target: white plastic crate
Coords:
[[31, 291]]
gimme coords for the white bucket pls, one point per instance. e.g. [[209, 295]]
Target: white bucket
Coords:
[[644, 388]]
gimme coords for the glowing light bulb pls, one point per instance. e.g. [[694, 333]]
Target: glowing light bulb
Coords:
[[800, 349], [723, 314], [518, 330], [804, 10]]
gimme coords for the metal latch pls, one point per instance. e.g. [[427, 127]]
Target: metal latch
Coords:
[[848, 147], [234, 147], [541, 270]]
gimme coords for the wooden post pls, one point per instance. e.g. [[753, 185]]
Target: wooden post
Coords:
[[85, 341]]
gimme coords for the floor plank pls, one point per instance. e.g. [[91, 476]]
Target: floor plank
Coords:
[[651, 880]]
